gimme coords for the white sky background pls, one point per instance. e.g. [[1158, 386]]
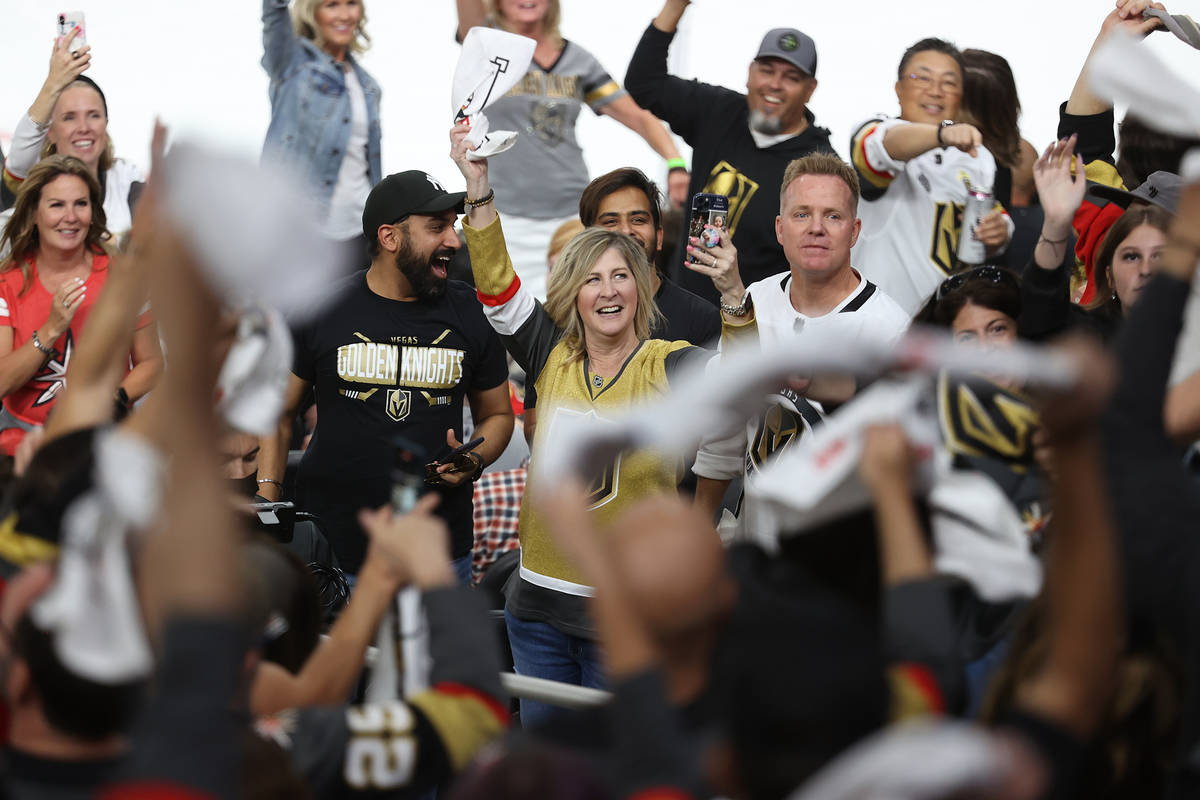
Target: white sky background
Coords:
[[197, 64]]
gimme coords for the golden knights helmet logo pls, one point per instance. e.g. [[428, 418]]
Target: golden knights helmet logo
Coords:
[[399, 404]]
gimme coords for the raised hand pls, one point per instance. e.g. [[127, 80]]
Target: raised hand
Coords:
[[66, 66], [1060, 192], [414, 547]]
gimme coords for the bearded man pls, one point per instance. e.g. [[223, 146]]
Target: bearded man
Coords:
[[394, 357]]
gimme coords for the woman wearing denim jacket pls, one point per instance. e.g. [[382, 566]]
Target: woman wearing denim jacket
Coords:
[[324, 108]]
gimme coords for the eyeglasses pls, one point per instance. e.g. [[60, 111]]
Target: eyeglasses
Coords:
[[949, 85], [981, 274]]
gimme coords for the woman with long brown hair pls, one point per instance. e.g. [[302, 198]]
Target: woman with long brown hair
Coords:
[[58, 262]]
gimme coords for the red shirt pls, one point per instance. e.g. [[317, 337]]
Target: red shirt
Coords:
[[27, 312]]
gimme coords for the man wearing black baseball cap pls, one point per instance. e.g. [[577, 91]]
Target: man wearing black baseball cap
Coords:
[[741, 143], [393, 358]]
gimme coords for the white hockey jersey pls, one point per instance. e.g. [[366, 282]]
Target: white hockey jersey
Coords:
[[912, 212]]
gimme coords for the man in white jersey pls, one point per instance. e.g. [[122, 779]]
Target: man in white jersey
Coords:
[[820, 292], [914, 172]]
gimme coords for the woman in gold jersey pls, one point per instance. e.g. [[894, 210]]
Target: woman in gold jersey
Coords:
[[588, 353]]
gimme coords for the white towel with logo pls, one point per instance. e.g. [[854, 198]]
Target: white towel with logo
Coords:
[[492, 63]]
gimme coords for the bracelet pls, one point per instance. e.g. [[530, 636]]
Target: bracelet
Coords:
[[483, 201], [270, 480], [740, 309], [1063, 240], [676, 163], [48, 351], [478, 466]]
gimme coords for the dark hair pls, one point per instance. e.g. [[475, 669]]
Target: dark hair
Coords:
[[74, 705], [1134, 216], [1142, 151], [21, 233], [528, 769], [930, 44], [1003, 296], [281, 590], [618, 179], [991, 104]]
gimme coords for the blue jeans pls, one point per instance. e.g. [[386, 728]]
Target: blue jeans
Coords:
[[462, 569], [542, 651]]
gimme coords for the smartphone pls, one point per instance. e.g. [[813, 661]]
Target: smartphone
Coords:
[[708, 209], [67, 20]]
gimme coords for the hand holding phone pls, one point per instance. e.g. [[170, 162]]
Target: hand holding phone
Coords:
[[67, 22], [709, 211]]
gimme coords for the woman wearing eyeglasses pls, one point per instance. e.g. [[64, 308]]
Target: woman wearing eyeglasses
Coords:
[[914, 171]]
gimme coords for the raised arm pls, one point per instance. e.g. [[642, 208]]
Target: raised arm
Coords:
[[906, 141], [1126, 16], [279, 38], [1086, 624], [627, 112], [1045, 283], [30, 132], [526, 329], [471, 14]]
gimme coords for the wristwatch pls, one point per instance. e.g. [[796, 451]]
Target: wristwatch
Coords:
[[946, 123]]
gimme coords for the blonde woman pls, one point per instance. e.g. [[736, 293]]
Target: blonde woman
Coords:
[[70, 117], [324, 109], [588, 353]]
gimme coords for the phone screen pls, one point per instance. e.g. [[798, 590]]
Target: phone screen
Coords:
[[65, 22], [707, 209]]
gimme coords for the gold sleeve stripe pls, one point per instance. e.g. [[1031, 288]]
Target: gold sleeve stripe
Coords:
[[464, 719], [12, 181], [493, 269], [742, 331], [601, 92], [915, 692], [880, 180]]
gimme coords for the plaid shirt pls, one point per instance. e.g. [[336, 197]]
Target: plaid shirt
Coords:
[[497, 506]]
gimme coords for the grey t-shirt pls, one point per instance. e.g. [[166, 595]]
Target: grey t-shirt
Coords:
[[544, 174]]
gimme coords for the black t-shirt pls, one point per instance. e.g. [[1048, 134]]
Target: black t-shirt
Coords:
[[383, 369]]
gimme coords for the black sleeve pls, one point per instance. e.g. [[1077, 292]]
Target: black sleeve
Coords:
[[189, 736], [530, 346], [919, 629], [493, 367], [1154, 500], [652, 754], [1097, 141], [679, 361], [303, 361], [684, 105], [1046, 298]]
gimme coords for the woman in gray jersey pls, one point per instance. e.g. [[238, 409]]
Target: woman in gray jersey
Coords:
[[542, 177]]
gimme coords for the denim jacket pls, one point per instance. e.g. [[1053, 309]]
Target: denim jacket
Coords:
[[310, 107]]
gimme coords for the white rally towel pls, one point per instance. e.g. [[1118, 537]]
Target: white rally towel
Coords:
[[1126, 72], [921, 760], [254, 377], [492, 62], [92, 608], [977, 533], [254, 230]]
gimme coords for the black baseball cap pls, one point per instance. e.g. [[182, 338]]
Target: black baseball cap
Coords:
[[406, 193], [792, 46]]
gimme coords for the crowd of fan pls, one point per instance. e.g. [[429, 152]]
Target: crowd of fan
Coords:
[[212, 511]]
